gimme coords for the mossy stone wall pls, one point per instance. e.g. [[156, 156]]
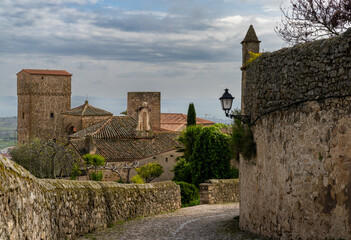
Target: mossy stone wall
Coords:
[[32, 208]]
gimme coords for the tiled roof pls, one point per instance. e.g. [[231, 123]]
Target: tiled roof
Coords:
[[121, 127], [47, 72], [178, 121], [87, 110], [130, 149]]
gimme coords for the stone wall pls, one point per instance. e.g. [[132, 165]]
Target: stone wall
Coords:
[[32, 208], [299, 184], [216, 191]]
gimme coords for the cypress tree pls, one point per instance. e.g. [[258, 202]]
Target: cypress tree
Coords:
[[191, 118]]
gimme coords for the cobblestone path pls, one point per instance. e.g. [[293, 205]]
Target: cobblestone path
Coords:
[[207, 222]]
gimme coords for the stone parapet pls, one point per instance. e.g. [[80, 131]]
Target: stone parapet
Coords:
[[216, 191], [32, 208]]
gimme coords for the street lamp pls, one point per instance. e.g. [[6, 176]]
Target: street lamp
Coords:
[[227, 102]]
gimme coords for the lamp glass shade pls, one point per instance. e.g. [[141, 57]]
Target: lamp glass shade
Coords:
[[226, 100]]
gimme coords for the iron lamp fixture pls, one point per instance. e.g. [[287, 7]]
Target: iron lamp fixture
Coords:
[[227, 102]]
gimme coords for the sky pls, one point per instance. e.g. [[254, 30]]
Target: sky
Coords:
[[189, 50]]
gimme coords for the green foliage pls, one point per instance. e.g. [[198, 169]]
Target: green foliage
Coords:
[[233, 173], [75, 171], [95, 161], [182, 171], [242, 140], [188, 138], [137, 179], [191, 117], [211, 156], [253, 57], [150, 171], [46, 158], [221, 125], [124, 113], [206, 155], [189, 193], [96, 176]]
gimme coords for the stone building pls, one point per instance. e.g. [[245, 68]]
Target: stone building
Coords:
[[42, 96]]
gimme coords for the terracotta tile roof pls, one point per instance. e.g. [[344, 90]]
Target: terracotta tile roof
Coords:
[[119, 127], [87, 110], [46, 72], [178, 121], [130, 149]]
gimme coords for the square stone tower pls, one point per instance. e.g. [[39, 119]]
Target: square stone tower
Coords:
[[153, 100], [42, 96]]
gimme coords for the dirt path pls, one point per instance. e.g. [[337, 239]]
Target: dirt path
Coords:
[[199, 222]]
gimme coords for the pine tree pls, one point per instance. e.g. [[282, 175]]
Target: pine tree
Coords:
[[191, 119]]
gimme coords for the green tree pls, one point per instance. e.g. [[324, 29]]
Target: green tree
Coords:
[[191, 117], [211, 156], [46, 158], [137, 179], [150, 171], [188, 138], [95, 161], [206, 155]]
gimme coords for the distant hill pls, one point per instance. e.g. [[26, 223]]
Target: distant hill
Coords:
[[8, 126]]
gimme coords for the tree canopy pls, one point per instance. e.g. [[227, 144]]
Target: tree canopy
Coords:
[[308, 20]]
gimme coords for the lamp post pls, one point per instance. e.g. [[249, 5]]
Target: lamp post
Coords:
[[227, 102]]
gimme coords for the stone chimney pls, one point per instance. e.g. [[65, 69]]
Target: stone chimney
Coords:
[[89, 145]]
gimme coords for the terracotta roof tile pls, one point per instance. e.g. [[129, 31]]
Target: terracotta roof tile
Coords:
[[46, 72], [87, 110], [119, 127], [178, 121]]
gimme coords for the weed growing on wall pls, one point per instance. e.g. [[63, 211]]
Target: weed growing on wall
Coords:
[[253, 57]]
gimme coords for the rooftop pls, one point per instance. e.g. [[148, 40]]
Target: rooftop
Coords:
[[87, 110], [46, 72]]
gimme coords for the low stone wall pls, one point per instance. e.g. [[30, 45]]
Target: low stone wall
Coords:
[[216, 191], [32, 208]]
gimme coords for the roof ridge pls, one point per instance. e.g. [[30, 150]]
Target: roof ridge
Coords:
[[102, 126], [85, 107]]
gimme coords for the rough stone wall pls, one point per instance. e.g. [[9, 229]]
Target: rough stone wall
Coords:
[[71, 120], [135, 101], [32, 208], [42, 99], [216, 191], [299, 184]]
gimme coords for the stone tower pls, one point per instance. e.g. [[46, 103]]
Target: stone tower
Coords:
[[249, 44], [42, 96], [153, 100]]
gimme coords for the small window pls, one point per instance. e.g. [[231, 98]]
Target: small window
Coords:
[[154, 157], [23, 115], [52, 115], [171, 155], [42, 77], [166, 159]]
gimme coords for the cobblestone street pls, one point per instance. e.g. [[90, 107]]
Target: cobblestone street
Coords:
[[210, 222]]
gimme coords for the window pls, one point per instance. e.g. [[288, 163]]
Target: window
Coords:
[[23, 115], [166, 159], [52, 115]]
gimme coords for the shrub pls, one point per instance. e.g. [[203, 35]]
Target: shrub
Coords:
[[150, 171], [137, 179], [189, 193], [96, 176], [182, 171]]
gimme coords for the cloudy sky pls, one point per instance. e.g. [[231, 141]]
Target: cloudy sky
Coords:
[[187, 49]]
